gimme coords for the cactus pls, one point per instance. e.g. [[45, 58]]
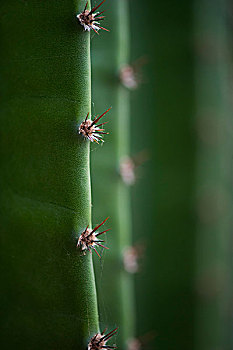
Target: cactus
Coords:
[[214, 177], [48, 297], [184, 291], [110, 194], [163, 216]]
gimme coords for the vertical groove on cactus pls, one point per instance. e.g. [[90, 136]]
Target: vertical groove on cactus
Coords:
[[110, 194], [123, 199], [163, 200], [48, 296], [214, 177]]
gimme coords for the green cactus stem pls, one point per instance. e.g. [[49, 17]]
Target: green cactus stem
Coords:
[[163, 199], [48, 295], [214, 177], [111, 194]]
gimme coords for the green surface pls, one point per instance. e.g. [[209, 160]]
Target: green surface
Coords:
[[163, 210], [214, 177], [48, 292], [110, 194]]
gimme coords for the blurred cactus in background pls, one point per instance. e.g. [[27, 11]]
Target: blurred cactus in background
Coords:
[[110, 193], [163, 201], [183, 293], [214, 176]]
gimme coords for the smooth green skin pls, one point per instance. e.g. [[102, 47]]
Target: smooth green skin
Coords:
[[214, 177], [48, 294], [163, 208], [110, 195]]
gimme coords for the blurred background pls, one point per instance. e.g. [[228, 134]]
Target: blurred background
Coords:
[[164, 174]]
